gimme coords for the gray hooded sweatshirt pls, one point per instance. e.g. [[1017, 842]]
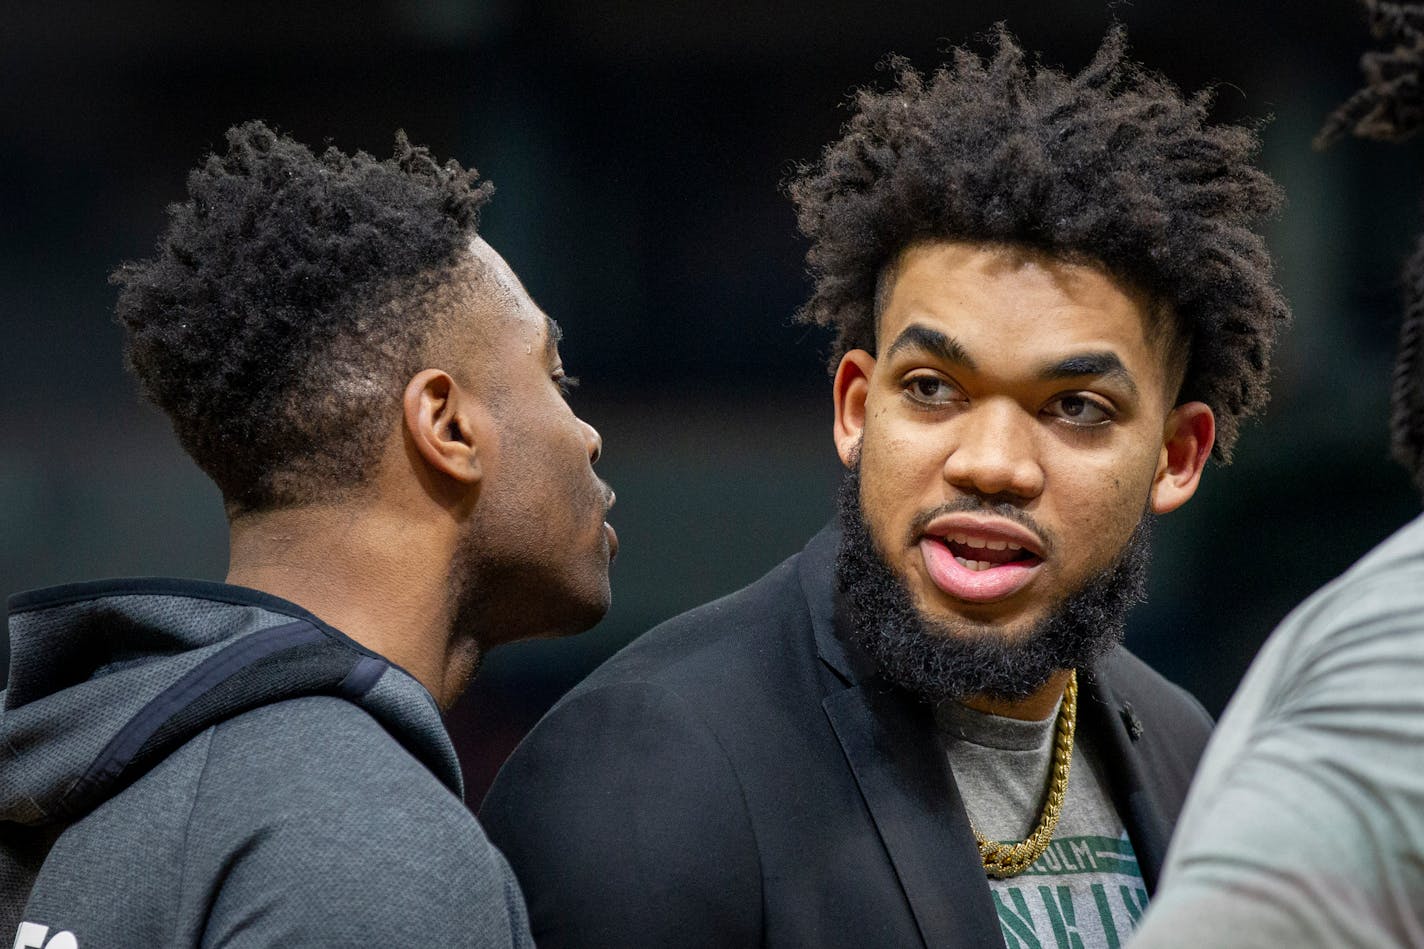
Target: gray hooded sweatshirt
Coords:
[[193, 764]]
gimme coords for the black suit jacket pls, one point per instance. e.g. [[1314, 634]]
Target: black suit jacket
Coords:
[[740, 776]]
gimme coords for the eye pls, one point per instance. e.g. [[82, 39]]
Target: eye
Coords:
[[566, 383], [931, 390], [1079, 409]]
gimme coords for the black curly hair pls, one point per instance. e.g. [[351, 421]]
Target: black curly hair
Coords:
[[1391, 107], [289, 301], [1112, 165]]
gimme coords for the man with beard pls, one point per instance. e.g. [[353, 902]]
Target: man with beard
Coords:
[[1050, 306], [262, 762]]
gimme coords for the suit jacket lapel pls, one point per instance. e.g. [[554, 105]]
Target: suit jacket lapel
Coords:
[[890, 744], [1108, 718], [891, 748]]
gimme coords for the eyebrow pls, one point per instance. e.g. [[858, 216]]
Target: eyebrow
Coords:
[[932, 341], [552, 338], [1104, 365]]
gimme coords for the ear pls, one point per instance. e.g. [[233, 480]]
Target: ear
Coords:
[[1186, 444], [851, 388], [445, 424]]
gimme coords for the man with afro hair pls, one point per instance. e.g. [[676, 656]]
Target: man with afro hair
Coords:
[[1052, 305], [262, 762], [1305, 824]]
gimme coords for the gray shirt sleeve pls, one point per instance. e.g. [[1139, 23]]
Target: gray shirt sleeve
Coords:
[[1305, 825], [313, 827]]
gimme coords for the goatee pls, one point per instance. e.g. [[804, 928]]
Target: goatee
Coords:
[[935, 659]]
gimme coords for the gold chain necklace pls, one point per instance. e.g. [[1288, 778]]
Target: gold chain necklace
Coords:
[[1006, 860]]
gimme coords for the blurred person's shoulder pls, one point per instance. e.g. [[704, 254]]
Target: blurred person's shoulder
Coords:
[[1395, 560], [1379, 598], [1343, 655]]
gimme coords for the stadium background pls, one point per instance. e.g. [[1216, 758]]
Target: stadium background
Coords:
[[637, 148]]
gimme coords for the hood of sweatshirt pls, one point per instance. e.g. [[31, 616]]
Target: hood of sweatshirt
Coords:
[[107, 678]]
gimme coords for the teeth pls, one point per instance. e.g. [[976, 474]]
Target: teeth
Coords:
[[975, 565], [980, 543]]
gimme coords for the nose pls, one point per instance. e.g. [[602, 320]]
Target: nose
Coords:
[[995, 451], [593, 440]]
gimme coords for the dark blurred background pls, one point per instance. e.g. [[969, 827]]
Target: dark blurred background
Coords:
[[638, 148]]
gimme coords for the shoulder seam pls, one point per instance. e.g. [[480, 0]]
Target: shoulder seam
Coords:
[[207, 737]]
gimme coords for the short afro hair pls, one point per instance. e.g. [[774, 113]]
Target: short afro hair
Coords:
[[1391, 107], [288, 303], [1112, 165]]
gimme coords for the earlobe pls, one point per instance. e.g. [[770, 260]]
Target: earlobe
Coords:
[[850, 390], [439, 423], [1187, 440]]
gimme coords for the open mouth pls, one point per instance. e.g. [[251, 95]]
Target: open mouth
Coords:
[[979, 553], [978, 560]]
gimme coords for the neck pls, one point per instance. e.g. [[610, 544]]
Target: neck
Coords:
[[1037, 707], [378, 575]]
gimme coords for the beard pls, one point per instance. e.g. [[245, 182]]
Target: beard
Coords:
[[936, 659]]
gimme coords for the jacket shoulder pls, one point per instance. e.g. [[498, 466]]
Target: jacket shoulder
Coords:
[[314, 825], [643, 759], [302, 822], [629, 768], [1145, 692]]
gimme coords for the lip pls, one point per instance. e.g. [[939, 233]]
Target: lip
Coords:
[[993, 528], [612, 536], [978, 586]]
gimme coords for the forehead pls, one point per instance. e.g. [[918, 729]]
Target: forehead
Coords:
[[498, 307], [992, 298]]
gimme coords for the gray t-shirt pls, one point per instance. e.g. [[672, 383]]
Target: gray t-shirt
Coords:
[[1305, 823], [1086, 890]]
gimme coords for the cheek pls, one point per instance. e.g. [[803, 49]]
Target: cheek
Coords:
[[897, 447], [1101, 501], [900, 475], [896, 455], [540, 474], [582, 491]]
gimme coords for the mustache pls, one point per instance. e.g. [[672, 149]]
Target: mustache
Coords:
[[971, 504], [935, 658]]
